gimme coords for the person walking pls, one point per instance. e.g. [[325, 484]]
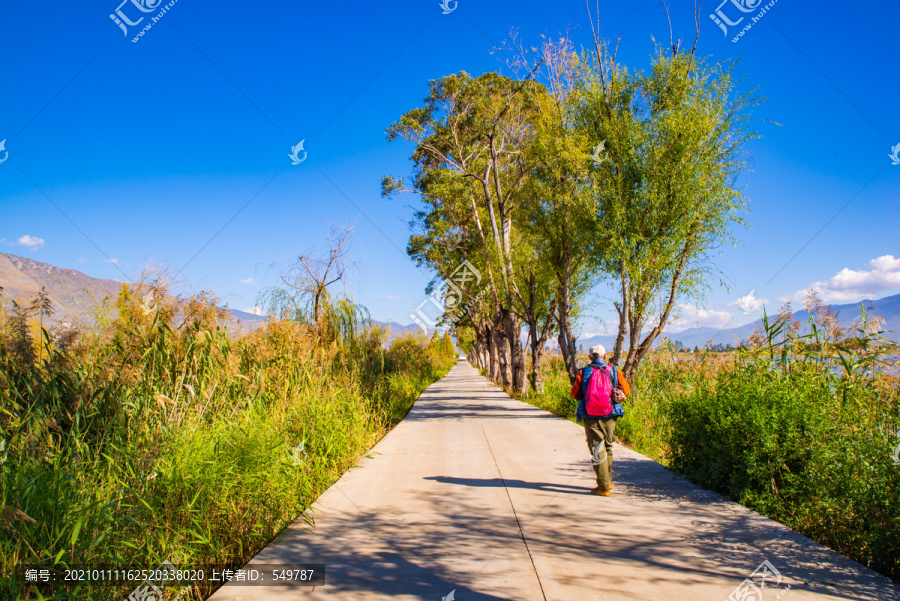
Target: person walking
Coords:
[[600, 390]]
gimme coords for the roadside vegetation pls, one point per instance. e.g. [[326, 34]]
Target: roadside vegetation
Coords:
[[582, 178], [156, 436], [801, 426]]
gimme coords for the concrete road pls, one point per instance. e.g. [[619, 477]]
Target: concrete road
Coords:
[[475, 496]]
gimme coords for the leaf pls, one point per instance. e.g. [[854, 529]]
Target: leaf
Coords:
[[77, 529]]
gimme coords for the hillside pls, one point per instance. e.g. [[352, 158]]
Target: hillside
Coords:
[[74, 294]]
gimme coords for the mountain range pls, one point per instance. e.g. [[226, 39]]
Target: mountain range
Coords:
[[74, 296], [888, 308]]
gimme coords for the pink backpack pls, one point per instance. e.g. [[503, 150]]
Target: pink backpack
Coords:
[[599, 391]]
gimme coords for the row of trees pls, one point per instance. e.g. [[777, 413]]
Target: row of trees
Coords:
[[575, 173]]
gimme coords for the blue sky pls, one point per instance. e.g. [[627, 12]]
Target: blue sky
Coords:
[[174, 149]]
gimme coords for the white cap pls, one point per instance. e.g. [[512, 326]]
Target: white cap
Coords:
[[598, 349]]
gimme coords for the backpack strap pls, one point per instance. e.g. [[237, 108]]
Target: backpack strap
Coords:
[[611, 374]]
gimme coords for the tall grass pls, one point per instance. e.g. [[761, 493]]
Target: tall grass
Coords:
[[158, 437], [799, 427]]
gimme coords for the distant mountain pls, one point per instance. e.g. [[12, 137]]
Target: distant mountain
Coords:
[[242, 321], [75, 295], [397, 329], [72, 293], [887, 308]]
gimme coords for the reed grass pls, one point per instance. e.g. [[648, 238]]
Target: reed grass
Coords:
[[157, 436], [799, 427]]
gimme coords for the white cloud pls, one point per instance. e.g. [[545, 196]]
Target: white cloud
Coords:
[[32, 242], [590, 330], [82, 259], [249, 280], [691, 316], [253, 310], [113, 261], [849, 286], [394, 298]]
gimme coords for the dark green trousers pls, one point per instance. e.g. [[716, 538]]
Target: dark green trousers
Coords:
[[601, 432]]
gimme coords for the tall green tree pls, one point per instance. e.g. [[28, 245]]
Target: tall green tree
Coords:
[[447, 344], [561, 219], [471, 138], [665, 190]]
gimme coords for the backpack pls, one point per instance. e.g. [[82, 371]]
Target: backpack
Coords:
[[597, 393]]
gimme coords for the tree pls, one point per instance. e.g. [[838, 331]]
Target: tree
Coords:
[[665, 191], [580, 172], [307, 295], [471, 139], [307, 281], [42, 305], [449, 349], [560, 218]]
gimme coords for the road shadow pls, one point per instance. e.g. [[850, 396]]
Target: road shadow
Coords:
[[506, 483]]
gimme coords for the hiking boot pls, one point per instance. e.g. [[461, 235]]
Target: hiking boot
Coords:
[[600, 492]]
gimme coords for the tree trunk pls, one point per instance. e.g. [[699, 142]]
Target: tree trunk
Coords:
[[517, 353], [566, 340], [538, 338], [624, 312], [477, 353], [537, 378], [498, 339], [493, 371]]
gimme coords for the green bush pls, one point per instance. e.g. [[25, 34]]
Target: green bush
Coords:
[[797, 427]]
